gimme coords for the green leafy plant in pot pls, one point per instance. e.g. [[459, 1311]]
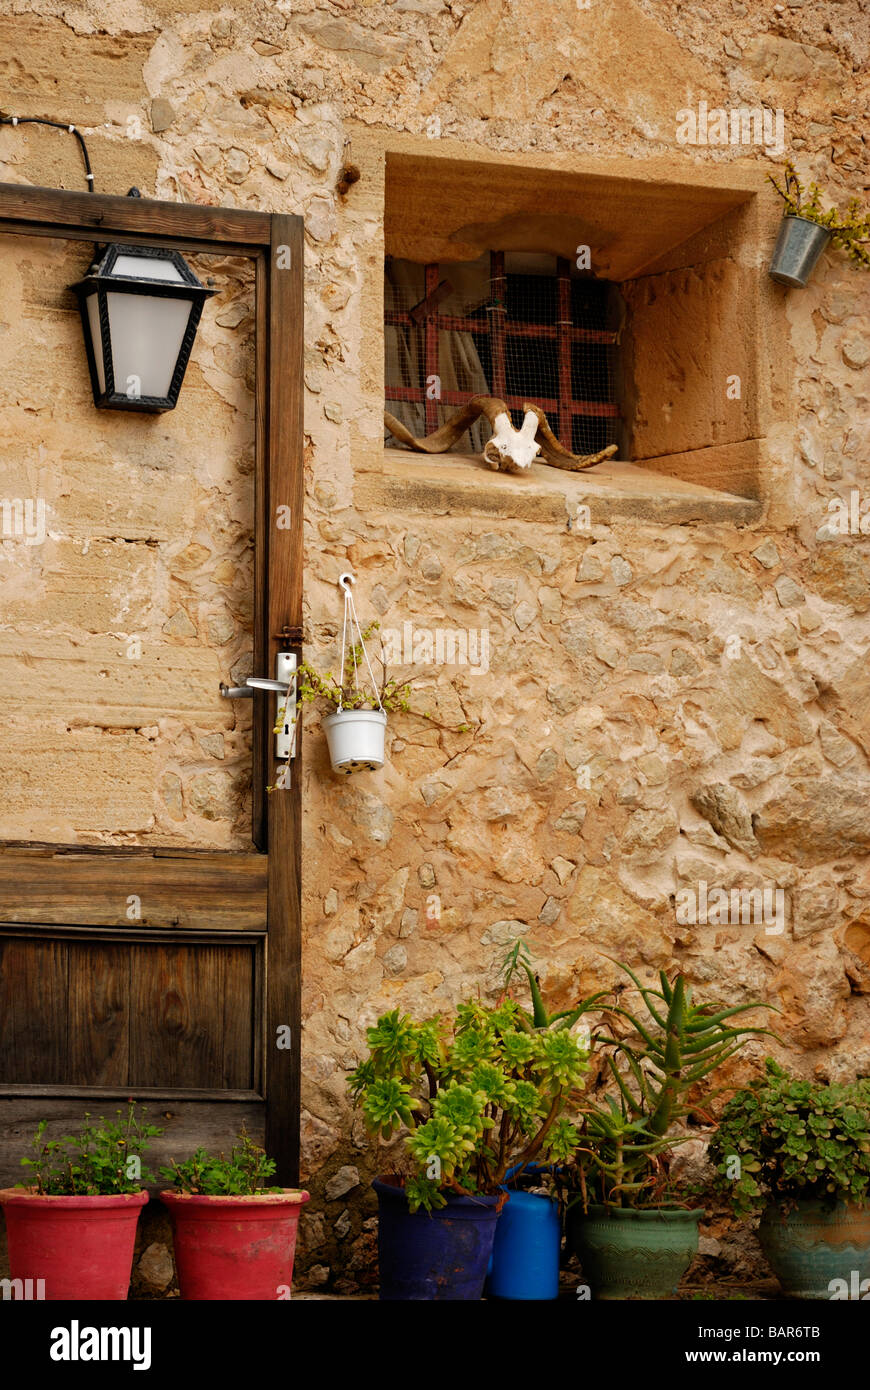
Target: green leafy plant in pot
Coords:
[[356, 722], [234, 1235], [355, 711], [798, 1153], [807, 228], [633, 1233], [72, 1231], [468, 1100]]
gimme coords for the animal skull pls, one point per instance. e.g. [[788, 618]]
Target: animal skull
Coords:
[[510, 449]]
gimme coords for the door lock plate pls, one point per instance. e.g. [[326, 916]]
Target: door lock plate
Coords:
[[284, 686], [285, 720]]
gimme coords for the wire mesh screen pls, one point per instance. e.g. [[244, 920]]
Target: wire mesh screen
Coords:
[[520, 327]]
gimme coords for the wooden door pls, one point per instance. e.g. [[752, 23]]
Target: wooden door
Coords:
[[191, 1003]]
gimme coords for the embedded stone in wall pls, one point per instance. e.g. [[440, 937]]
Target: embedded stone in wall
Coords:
[[814, 820], [728, 813], [815, 907]]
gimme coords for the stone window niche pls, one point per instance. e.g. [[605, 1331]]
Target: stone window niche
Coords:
[[682, 256]]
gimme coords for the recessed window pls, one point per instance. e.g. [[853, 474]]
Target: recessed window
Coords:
[[655, 344]]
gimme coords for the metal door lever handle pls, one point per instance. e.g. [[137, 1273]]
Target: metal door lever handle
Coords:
[[285, 730], [263, 683], [246, 691]]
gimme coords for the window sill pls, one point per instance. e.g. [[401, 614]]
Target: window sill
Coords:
[[462, 484]]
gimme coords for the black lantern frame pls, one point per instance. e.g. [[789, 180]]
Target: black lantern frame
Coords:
[[100, 282]]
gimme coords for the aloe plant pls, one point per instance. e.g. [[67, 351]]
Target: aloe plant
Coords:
[[624, 1142], [518, 958]]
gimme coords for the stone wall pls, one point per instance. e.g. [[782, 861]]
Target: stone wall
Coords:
[[665, 705]]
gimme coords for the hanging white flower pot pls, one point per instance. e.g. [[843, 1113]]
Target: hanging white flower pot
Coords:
[[355, 738]]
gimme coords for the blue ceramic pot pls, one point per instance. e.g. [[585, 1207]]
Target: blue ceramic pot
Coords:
[[439, 1255]]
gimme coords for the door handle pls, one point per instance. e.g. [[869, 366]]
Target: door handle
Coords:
[[283, 684]]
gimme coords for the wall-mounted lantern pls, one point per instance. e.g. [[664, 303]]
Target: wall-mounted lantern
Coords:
[[140, 308]]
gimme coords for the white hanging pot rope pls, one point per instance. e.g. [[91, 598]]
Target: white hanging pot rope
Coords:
[[355, 737]]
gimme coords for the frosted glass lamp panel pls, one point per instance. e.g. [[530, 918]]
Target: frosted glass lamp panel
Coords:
[[148, 268], [146, 333]]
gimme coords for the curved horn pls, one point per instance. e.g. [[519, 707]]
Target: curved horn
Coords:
[[556, 454], [492, 407], [452, 430]]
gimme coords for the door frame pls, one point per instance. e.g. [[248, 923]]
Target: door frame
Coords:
[[274, 242]]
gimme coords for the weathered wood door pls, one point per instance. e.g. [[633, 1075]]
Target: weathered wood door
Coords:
[[191, 1001]]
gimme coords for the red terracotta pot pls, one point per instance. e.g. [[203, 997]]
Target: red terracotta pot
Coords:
[[81, 1247], [235, 1247]]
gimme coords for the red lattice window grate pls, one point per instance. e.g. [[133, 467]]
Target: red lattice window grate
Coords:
[[549, 338]]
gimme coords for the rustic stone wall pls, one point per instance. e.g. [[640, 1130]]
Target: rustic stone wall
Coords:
[[665, 705]]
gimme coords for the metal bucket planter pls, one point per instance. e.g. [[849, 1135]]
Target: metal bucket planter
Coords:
[[814, 1245], [355, 738], [798, 247], [633, 1254]]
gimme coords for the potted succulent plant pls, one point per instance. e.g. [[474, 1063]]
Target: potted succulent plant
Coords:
[[635, 1235], [528, 1235], [234, 1237], [806, 229], [470, 1099], [74, 1227], [798, 1153]]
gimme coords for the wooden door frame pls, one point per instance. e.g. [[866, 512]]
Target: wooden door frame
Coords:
[[275, 244]]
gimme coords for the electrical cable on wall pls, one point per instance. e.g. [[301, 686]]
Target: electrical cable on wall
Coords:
[[56, 125]]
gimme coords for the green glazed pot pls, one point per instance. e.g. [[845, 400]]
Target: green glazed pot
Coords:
[[818, 1252], [633, 1254]]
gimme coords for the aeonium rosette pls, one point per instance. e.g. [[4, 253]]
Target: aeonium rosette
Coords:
[[472, 1097]]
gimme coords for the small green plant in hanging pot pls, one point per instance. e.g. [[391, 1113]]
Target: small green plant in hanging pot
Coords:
[[356, 726], [355, 734], [807, 228]]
